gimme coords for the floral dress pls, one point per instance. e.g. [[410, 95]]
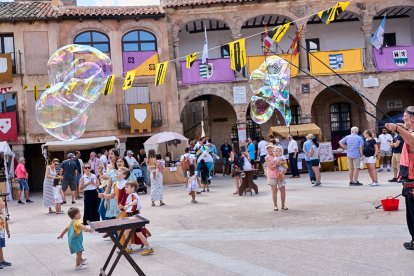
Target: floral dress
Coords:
[[48, 198], [157, 180]]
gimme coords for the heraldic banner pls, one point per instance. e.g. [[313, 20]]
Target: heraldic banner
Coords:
[[142, 62], [140, 117], [256, 61], [215, 71], [8, 126], [394, 58], [342, 62]]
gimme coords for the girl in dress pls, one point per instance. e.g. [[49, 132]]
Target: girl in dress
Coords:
[[90, 183], [58, 195], [75, 236], [157, 186], [192, 182], [247, 166], [50, 176]]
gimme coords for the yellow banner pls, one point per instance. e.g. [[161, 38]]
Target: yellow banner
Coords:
[[237, 54], [109, 85], [36, 92], [129, 80], [147, 68], [160, 71], [342, 62], [256, 61]]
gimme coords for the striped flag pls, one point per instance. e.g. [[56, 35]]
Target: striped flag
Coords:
[[377, 40], [204, 58]]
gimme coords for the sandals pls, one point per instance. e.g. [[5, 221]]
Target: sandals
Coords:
[[276, 209], [59, 213], [285, 208], [162, 204], [409, 245], [153, 204]]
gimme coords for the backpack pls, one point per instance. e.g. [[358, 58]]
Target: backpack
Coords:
[[185, 165]]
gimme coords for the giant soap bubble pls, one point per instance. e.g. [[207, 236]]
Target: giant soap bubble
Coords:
[[270, 85], [77, 74]]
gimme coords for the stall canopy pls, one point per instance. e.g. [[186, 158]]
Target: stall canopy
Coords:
[[81, 144], [295, 130]]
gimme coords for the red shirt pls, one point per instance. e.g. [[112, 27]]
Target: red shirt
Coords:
[[21, 171]]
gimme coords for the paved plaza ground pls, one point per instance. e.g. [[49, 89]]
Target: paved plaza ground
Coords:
[[329, 230]]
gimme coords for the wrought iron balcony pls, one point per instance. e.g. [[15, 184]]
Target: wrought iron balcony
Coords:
[[122, 114]]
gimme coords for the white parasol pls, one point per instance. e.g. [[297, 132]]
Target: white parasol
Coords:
[[170, 138]]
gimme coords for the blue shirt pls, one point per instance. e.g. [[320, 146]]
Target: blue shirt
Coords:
[[251, 149], [354, 142], [307, 147]]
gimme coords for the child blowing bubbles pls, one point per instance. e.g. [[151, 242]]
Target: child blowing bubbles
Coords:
[[75, 236], [132, 208], [4, 228]]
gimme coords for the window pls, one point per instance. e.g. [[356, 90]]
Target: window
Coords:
[[340, 114], [139, 40], [253, 130], [225, 51], [94, 39], [137, 95], [312, 44], [7, 46], [296, 112], [389, 40], [8, 102]]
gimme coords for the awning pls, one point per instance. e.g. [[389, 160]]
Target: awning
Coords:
[[81, 144], [295, 130]]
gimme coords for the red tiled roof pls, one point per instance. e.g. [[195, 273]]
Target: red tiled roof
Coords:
[[18, 11], [184, 3], [109, 11]]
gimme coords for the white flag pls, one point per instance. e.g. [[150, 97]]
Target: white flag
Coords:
[[377, 40], [204, 58]]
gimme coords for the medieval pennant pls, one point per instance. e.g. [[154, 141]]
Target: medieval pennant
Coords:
[[400, 57], [336, 61], [140, 115], [206, 70]]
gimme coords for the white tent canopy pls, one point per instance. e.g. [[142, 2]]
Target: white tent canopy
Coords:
[[81, 144], [7, 152], [171, 138]]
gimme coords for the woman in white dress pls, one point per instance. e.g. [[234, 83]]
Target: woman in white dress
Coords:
[[157, 179], [50, 176]]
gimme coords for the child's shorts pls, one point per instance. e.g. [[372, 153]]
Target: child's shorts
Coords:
[[274, 182], [2, 242]]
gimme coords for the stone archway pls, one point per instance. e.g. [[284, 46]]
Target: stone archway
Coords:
[[335, 115]]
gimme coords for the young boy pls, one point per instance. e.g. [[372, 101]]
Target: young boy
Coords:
[[4, 228], [132, 208], [75, 236]]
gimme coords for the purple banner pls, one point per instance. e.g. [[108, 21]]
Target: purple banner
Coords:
[[131, 60], [395, 58], [217, 70]]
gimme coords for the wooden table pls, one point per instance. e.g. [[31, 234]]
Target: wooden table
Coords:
[[174, 175], [248, 183], [110, 227]]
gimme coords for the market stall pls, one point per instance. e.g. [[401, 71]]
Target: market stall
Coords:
[[7, 171], [173, 173]]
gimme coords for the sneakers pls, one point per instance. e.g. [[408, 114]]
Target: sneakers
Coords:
[[83, 261], [351, 183], [358, 183], [148, 251], [380, 170], [20, 202], [393, 180], [80, 267], [317, 184], [29, 201], [1, 266], [4, 263], [73, 202], [374, 184], [194, 201], [388, 170]]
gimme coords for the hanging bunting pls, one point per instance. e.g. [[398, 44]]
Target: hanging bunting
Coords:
[[109, 85], [238, 54], [190, 59], [47, 85], [36, 92], [4, 90], [70, 87], [276, 34], [160, 70], [329, 15], [25, 86], [129, 79], [294, 47]]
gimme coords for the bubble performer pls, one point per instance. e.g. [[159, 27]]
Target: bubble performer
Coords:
[[77, 74]]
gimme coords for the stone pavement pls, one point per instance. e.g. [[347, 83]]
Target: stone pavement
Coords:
[[328, 230]]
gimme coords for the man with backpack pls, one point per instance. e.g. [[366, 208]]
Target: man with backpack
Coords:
[[186, 160]]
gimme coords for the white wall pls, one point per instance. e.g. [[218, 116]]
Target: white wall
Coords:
[[402, 27], [190, 43], [337, 36]]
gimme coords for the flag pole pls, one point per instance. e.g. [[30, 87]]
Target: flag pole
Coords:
[[331, 88], [350, 85]]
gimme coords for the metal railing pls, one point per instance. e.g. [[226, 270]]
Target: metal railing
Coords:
[[123, 120]]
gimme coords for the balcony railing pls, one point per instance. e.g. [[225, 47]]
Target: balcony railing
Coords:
[[122, 113]]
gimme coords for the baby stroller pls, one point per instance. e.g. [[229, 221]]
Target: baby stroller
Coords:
[[142, 186]]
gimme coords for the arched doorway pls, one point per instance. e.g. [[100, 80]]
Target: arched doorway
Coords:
[[335, 115], [218, 116], [393, 99]]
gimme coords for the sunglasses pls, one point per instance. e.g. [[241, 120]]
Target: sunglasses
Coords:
[[87, 168]]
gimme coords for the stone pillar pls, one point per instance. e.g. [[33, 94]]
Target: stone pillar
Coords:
[[122, 148], [176, 47], [369, 61], [303, 58]]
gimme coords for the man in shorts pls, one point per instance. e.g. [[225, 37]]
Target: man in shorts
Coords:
[[225, 150], [396, 145], [353, 144], [384, 140], [69, 171], [22, 177]]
